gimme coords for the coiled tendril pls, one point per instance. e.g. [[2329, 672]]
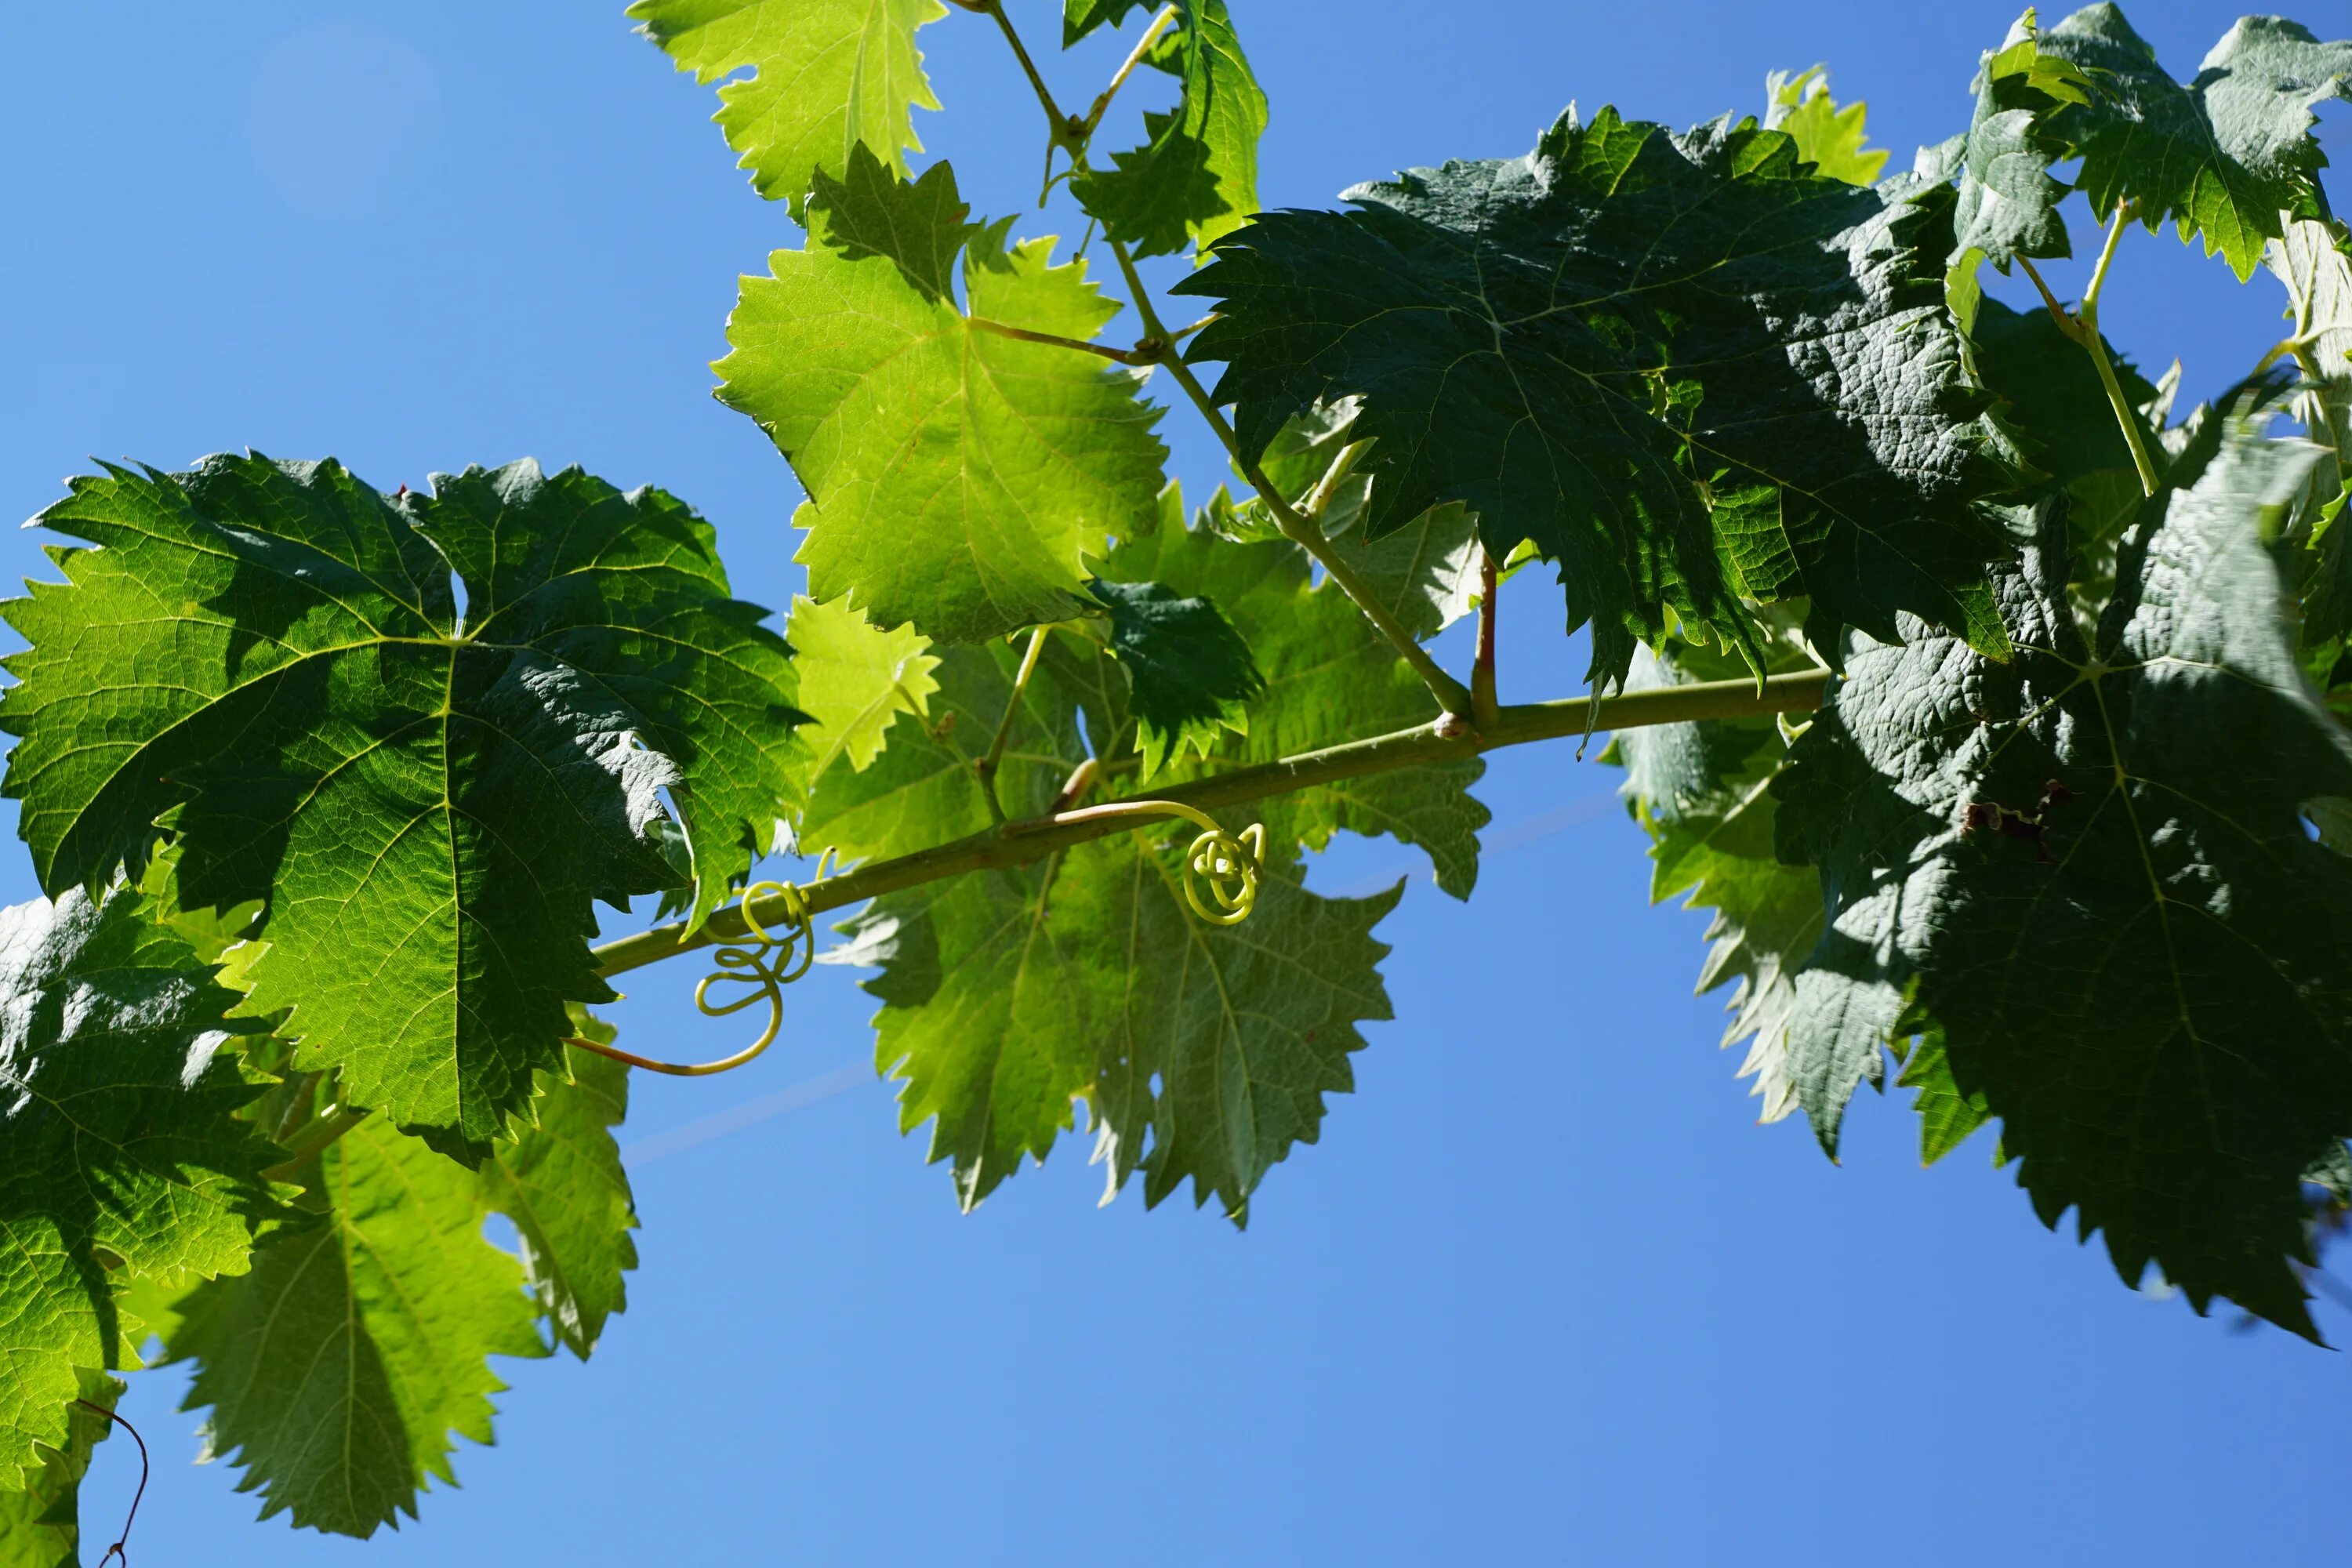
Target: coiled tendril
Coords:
[[765, 961], [1228, 866]]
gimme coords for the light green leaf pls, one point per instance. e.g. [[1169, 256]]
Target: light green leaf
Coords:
[[1828, 137], [270, 655], [2313, 260], [119, 1154], [1220, 1042], [561, 1182], [2228, 155], [1702, 793], [40, 1527], [1190, 674], [339, 1369], [1682, 367], [2090, 870], [957, 477], [855, 680], [1196, 175], [827, 76]]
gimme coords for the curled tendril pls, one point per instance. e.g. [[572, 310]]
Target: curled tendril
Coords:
[[1229, 867], [766, 961]]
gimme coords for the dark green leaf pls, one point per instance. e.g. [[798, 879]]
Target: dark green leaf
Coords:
[[1681, 366], [271, 655], [2009, 200], [2134, 955], [1190, 674]]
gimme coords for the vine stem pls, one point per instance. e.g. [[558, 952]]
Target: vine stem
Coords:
[[1140, 356], [987, 765], [1451, 694], [1446, 738], [2082, 326], [1134, 57]]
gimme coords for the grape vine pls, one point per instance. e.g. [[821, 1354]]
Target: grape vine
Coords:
[[1998, 711]]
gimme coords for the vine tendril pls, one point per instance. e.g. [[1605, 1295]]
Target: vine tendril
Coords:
[[119, 1552], [766, 961], [1228, 866]]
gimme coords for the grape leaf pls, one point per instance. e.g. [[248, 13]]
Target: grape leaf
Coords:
[[1681, 366], [1329, 678], [957, 477], [855, 680], [2148, 987], [117, 1152], [40, 1527], [1219, 1042], [2008, 199], [1702, 792], [561, 1182], [1190, 675], [1828, 137], [1946, 1116], [338, 1369], [2228, 155], [2313, 260], [827, 76], [270, 655], [1196, 175], [1080, 17]]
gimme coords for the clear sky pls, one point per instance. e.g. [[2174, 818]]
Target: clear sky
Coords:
[[1542, 1294]]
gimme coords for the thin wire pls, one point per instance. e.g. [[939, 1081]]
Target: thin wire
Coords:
[[117, 1551]]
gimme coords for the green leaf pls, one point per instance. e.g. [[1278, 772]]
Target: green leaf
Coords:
[[1330, 678], [1190, 674], [1196, 175], [957, 477], [2149, 987], [1702, 793], [855, 680], [827, 76], [339, 1368], [1828, 137], [561, 1182], [2228, 155], [269, 656], [2008, 199], [1683, 367], [1219, 1042], [40, 1527], [119, 1155], [1947, 1115], [1080, 17]]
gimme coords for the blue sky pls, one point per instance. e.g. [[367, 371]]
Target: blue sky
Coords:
[[1542, 1294]]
